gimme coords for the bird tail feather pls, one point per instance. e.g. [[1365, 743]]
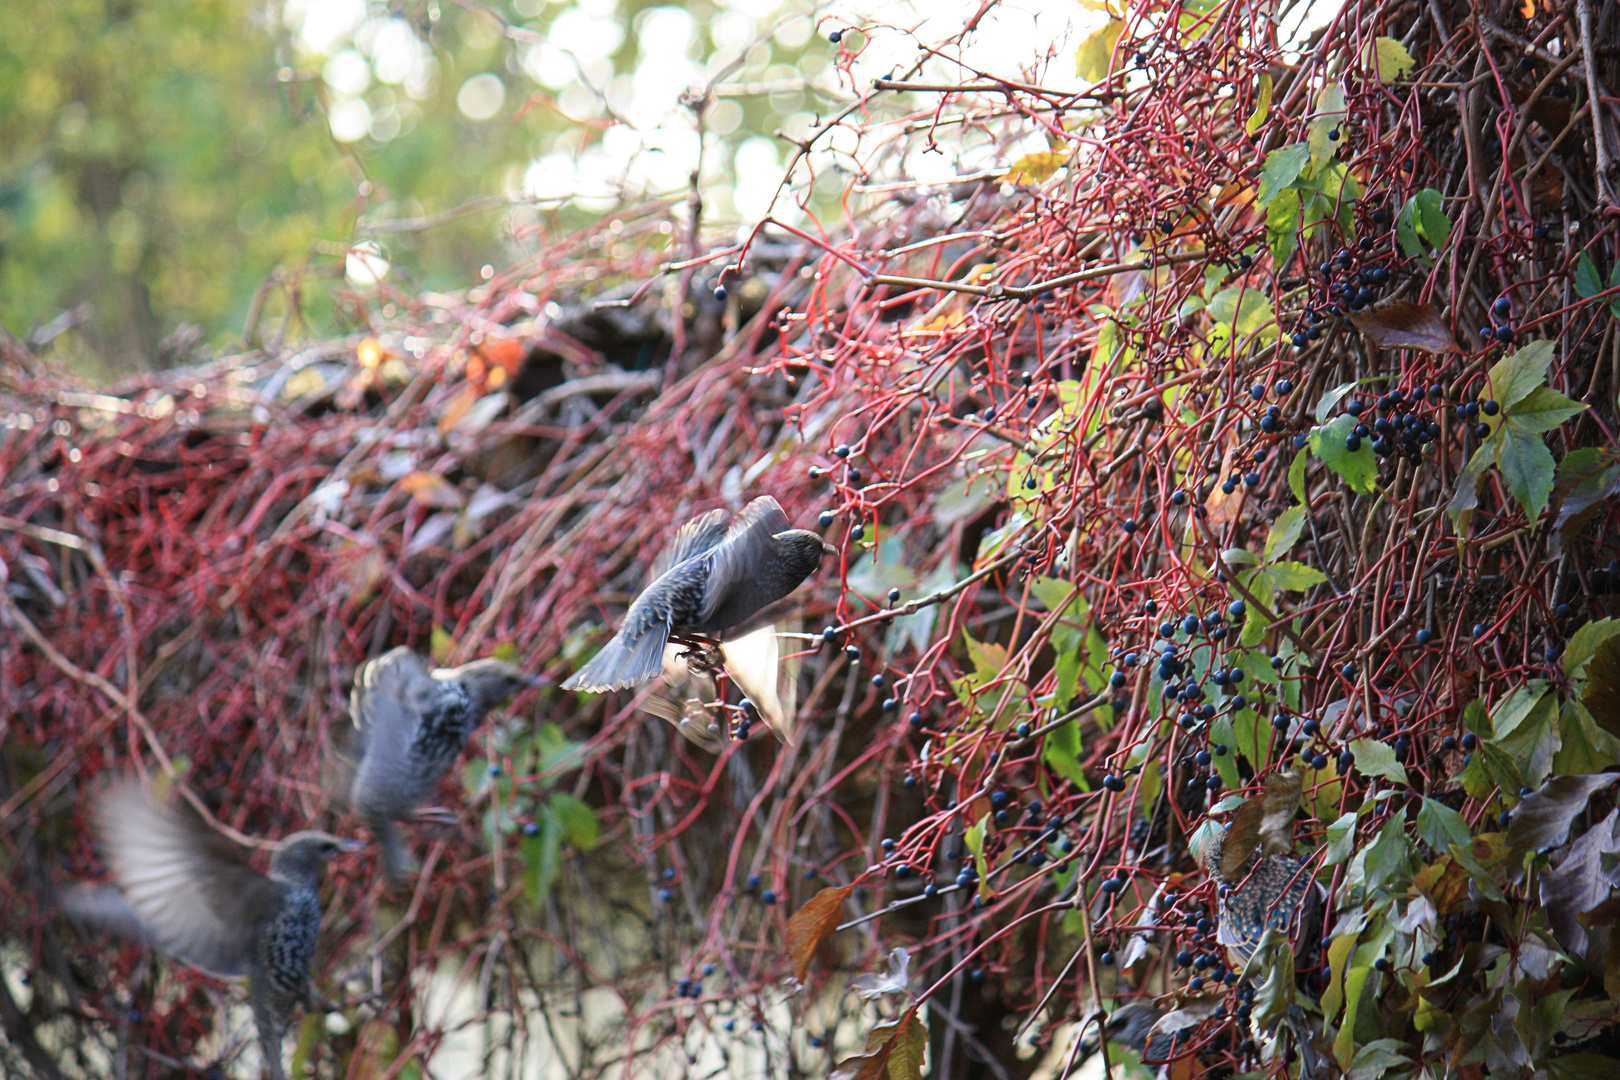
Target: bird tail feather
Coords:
[[623, 663], [397, 862]]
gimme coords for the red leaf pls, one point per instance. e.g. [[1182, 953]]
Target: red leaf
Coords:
[[811, 924]]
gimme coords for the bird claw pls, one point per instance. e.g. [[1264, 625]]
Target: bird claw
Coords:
[[701, 654]]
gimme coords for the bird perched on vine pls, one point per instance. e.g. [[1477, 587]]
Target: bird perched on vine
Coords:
[[182, 887], [1266, 892], [411, 722], [719, 578], [1272, 891]]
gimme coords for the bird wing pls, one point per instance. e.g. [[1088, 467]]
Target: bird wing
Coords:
[[695, 537], [392, 697], [191, 889], [737, 561], [682, 697]]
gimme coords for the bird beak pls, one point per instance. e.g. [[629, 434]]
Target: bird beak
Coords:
[[349, 847], [828, 549]]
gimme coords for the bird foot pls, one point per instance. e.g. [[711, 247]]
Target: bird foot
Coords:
[[701, 654]]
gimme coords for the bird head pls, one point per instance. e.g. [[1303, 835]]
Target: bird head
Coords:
[[305, 854], [803, 550], [489, 681]]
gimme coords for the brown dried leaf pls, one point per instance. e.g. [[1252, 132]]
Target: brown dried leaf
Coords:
[[431, 489], [863, 1066], [1578, 885], [454, 409], [1406, 325], [811, 924], [1281, 803]]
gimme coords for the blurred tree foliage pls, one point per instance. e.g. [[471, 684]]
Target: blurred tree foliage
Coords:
[[167, 157]]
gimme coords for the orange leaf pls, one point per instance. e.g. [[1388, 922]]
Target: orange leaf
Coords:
[[503, 354], [1406, 326], [454, 409], [431, 489], [811, 924]]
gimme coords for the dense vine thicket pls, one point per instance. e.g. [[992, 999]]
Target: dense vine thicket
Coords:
[[1242, 443]]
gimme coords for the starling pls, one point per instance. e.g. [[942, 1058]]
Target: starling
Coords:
[[1129, 1026], [184, 888], [411, 723], [718, 579], [753, 661], [1276, 892]]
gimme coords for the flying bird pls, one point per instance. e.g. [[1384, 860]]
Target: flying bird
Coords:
[[184, 888], [718, 578], [411, 723]]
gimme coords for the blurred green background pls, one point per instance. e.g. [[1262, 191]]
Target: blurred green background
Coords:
[[165, 158]]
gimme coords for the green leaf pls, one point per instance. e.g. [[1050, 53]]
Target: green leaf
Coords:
[[1329, 119], [1325, 406], [1061, 751], [1512, 378], [974, 839], [1283, 219], [1432, 221], [1281, 169], [1439, 826], [1512, 710], [1296, 475], [1542, 410], [1586, 748], [1374, 758], [1093, 59], [1221, 731], [1341, 839], [578, 820], [1406, 230], [542, 858], [1262, 105], [1390, 60], [1466, 497], [1588, 282], [1527, 469], [1285, 532], [1583, 643], [1295, 576], [1359, 469]]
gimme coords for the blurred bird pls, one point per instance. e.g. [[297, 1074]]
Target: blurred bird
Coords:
[[1276, 892], [184, 888], [718, 579], [1272, 892], [411, 723], [1129, 1026]]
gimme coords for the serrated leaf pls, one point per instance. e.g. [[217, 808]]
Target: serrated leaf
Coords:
[[1405, 325], [1512, 710], [1527, 470], [810, 926], [1295, 576], [1329, 118], [1389, 59], [1285, 532], [1466, 496], [1281, 169], [1262, 105], [1543, 819], [1542, 410], [1374, 758], [578, 821], [1358, 468], [1432, 222], [1406, 233], [1439, 826], [1512, 378], [1327, 403], [1588, 282], [1584, 643], [1284, 216], [1584, 481], [1036, 168], [1093, 60]]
